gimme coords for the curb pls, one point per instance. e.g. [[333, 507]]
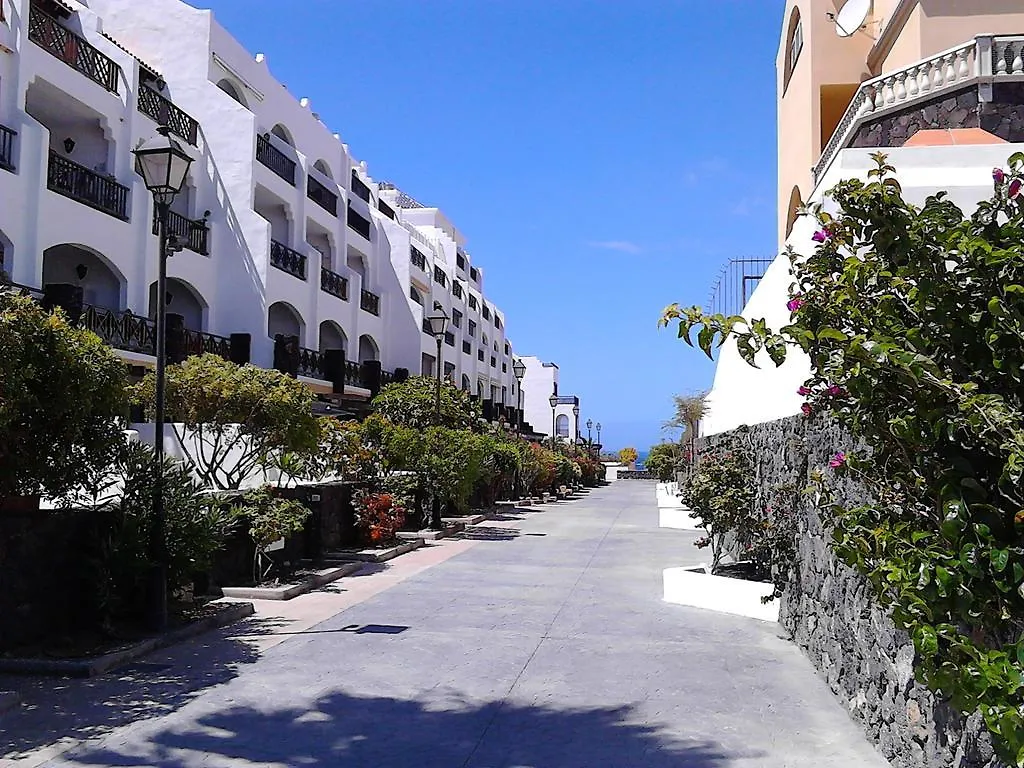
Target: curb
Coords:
[[288, 591], [100, 664], [450, 529], [377, 555]]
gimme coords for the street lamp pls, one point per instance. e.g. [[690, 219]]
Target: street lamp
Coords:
[[438, 324], [519, 369], [163, 166], [598, 426], [553, 400], [576, 422], [590, 424]]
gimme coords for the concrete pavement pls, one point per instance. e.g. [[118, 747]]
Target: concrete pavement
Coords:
[[538, 640]]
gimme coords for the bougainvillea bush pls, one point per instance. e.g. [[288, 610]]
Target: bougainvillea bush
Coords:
[[378, 518], [913, 320]]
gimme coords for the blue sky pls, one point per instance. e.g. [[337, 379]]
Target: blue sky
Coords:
[[603, 158]]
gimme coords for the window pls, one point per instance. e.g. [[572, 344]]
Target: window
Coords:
[[466, 349], [456, 318], [417, 258], [562, 426], [480, 355], [415, 295], [449, 338], [504, 367], [494, 362], [449, 369], [474, 274], [484, 338], [472, 301], [460, 261], [487, 312], [439, 276], [507, 350], [472, 328], [497, 321], [457, 289], [794, 45], [426, 327]]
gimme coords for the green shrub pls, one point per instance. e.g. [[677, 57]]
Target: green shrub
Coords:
[[412, 403]]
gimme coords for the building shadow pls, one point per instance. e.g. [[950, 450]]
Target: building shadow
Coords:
[[340, 729]]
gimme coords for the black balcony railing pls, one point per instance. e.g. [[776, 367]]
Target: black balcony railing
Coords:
[[311, 363], [360, 188], [322, 196], [121, 330], [7, 148], [275, 159], [192, 234], [417, 258], [358, 223], [369, 302], [333, 283], [46, 32], [353, 374], [287, 260], [164, 112], [201, 343], [68, 178]]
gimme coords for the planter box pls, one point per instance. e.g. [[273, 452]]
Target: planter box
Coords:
[[679, 519], [450, 529], [288, 591], [697, 588], [464, 521], [376, 555]]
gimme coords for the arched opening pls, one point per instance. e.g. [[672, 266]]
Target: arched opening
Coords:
[[794, 45], [100, 281], [368, 349], [182, 299], [795, 204], [320, 240], [332, 336], [562, 425], [284, 319], [233, 91], [283, 134], [357, 264], [324, 168], [467, 385]]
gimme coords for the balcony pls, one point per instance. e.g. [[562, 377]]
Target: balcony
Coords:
[[353, 374], [163, 112], [370, 302], [7, 148], [417, 258], [121, 330], [201, 343], [46, 32], [83, 185], [274, 159], [333, 283], [287, 260], [358, 223], [322, 196], [360, 188], [980, 62], [311, 363], [193, 234]]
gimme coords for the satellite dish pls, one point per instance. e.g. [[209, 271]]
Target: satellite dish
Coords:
[[852, 17]]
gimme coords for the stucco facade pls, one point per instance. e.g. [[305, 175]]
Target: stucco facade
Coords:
[[285, 231], [936, 84]]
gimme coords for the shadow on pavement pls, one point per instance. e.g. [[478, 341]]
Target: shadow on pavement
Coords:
[[156, 685], [343, 730], [488, 533]]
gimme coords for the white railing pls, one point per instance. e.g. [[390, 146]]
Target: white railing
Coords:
[[984, 59]]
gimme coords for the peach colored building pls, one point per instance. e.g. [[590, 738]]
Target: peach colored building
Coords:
[[937, 84]]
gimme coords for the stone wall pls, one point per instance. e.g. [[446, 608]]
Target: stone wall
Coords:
[[830, 614], [1002, 117]]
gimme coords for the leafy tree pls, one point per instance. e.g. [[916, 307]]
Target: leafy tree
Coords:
[[233, 419], [412, 403], [628, 456], [270, 518], [664, 459], [62, 393], [450, 464], [913, 321], [500, 464]]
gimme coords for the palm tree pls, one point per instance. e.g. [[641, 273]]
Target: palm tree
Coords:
[[689, 410]]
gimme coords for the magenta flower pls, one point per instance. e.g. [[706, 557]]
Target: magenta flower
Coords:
[[807, 409], [835, 391], [803, 391], [1014, 189], [821, 236], [838, 460], [794, 304], [998, 175]]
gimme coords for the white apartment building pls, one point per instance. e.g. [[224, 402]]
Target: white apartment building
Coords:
[[937, 86], [539, 384], [284, 233]]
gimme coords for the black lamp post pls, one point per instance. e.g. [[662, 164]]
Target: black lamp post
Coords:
[[576, 423], [598, 426], [553, 401], [519, 369], [590, 424], [438, 323], [163, 166]]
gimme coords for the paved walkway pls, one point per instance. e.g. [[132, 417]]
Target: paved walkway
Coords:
[[539, 641]]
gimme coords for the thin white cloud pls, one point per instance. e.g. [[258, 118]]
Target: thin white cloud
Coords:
[[706, 170], [750, 206], [622, 246]]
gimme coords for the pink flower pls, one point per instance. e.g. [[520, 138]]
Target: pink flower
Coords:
[[821, 236], [794, 304], [803, 391], [1014, 189], [838, 460], [835, 391], [807, 409], [998, 175]]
